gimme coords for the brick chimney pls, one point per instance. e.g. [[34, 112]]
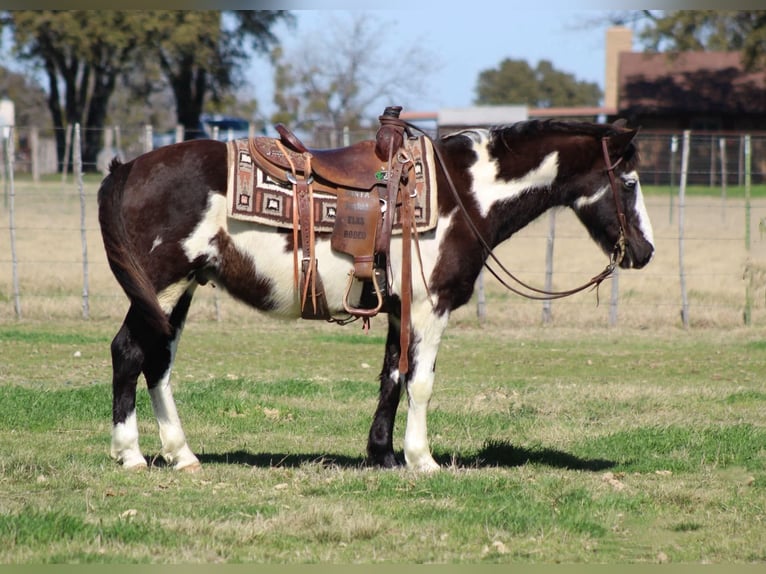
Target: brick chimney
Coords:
[[618, 39]]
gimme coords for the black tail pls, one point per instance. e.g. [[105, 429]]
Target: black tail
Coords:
[[119, 252]]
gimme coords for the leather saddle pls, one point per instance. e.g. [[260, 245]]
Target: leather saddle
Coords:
[[353, 167], [365, 177]]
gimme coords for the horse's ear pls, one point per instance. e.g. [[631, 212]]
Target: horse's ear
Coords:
[[619, 142]]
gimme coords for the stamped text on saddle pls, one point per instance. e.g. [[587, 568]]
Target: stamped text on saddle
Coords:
[[361, 194]]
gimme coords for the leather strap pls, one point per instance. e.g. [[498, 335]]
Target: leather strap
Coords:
[[407, 216], [303, 212]]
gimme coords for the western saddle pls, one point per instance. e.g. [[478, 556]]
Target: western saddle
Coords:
[[367, 199]]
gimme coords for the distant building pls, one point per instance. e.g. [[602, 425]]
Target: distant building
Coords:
[[702, 91]]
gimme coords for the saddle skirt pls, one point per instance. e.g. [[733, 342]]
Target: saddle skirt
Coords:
[[258, 194]]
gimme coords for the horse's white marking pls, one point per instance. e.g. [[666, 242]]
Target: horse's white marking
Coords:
[[174, 448], [489, 190], [170, 295], [262, 245], [643, 216], [584, 201], [156, 243], [429, 327], [125, 443], [198, 243]]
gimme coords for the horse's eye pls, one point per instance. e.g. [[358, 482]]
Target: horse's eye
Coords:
[[630, 184]]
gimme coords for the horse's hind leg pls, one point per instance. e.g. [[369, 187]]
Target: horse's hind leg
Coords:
[[135, 350], [158, 365], [127, 360]]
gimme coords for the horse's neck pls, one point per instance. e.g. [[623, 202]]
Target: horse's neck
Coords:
[[506, 217]]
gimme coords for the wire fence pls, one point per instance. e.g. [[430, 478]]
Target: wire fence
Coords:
[[706, 196]]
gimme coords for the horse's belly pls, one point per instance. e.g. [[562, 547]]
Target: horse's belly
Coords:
[[266, 250]]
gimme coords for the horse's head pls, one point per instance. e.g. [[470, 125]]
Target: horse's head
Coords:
[[608, 198]]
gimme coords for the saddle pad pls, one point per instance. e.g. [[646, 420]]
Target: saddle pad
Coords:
[[257, 197]]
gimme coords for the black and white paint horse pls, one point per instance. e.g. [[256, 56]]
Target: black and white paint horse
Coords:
[[165, 228]]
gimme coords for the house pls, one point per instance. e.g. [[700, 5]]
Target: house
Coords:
[[700, 91]]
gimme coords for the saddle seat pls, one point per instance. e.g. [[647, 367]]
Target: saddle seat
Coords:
[[355, 167]]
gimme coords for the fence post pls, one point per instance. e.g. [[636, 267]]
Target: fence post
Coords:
[[34, 152], [2, 169], [12, 223], [681, 205], [724, 175], [615, 296], [547, 304], [673, 152], [748, 286], [67, 147], [481, 305], [148, 145], [77, 169]]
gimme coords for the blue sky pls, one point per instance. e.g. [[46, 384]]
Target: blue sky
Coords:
[[468, 42]]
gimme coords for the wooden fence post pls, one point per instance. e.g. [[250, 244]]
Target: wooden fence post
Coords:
[[67, 147], [148, 144], [34, 152], [12, 223]]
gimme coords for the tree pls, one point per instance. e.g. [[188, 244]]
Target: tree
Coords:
[[84, 53], [200, 53], [714, 30], [346, 75], [516, 82], [81, 53]]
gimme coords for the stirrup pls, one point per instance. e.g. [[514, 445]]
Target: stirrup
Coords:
[[358, 312]]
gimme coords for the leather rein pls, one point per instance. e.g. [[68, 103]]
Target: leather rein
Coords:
[[616, 257]]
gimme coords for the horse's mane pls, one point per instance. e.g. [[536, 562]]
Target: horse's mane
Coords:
[[535, 128], [552, 126]]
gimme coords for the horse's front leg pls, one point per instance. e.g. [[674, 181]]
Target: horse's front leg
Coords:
[[427, 329], [380, 446]]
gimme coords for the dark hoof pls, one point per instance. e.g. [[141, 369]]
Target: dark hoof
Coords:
[[387, 460]]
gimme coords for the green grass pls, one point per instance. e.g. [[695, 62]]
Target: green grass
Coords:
[[557, 446]]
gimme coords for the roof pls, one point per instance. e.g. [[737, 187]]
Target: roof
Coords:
[[692, 82], [481, 115]]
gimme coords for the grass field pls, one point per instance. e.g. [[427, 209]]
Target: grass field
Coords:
[[575, 442], [558, 446]]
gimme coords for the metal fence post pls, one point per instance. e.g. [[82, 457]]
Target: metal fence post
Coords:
[[77, 168], [681, 206]]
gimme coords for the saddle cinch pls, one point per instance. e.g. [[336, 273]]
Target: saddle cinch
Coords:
[[367, 180]]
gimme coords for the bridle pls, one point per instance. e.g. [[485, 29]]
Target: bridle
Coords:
[[616, 257]]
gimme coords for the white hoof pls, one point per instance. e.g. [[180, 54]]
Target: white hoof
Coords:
[[423, 464], [183, 459], [131, 460], [190, 468]]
